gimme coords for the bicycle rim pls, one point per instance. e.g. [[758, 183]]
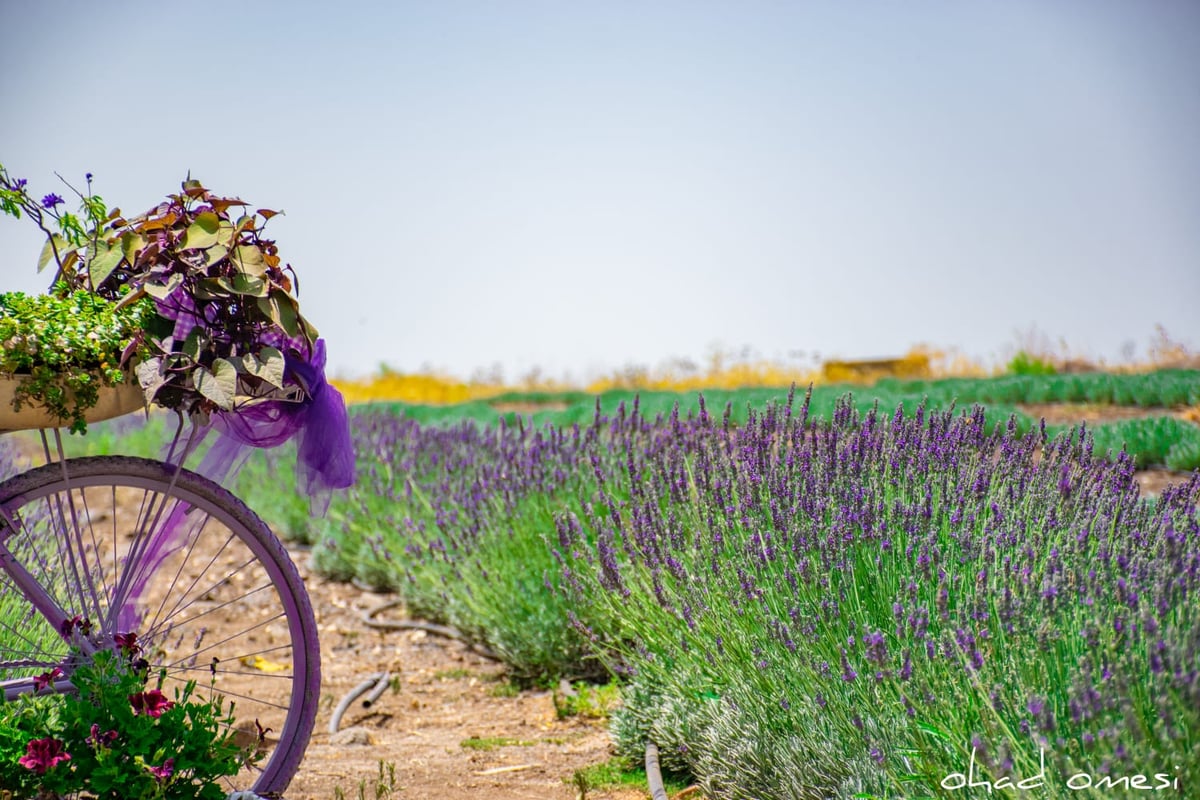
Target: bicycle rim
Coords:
[[130, 546]]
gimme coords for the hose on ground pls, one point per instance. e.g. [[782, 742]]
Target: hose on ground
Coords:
[[654, 773], [444, 631], [376, 685]]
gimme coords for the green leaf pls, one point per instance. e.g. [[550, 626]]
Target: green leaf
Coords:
[[48, 250], [214, 254], [246, 284], [103, 262], [281, 308], [191, 345], [202, 232], [226, 233], [249, 259], [209, 289], [220, 385], [132, 244], [159, 291], [268, 365]]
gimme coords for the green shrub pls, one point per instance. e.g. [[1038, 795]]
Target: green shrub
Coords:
[[1025, 364]]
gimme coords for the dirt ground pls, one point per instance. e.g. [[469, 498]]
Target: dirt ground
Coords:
[[444, 695]]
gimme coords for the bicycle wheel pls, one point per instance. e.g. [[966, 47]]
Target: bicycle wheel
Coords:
[[133, 545]]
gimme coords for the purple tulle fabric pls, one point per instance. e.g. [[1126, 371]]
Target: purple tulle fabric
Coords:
[[324, 459], [319, 424], [324, 451]]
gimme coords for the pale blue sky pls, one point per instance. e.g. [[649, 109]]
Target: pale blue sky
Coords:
[[578, 186]]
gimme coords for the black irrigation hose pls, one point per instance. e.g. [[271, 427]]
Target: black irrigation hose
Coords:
[[376, 684], [654, 774], [417, 625]]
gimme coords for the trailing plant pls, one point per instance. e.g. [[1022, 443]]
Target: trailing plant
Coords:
[[69, 343]]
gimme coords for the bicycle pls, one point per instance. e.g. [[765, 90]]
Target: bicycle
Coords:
[[93, 549]]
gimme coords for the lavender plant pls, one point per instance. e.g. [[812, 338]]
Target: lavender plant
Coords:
[[456, 519], [872, 601]]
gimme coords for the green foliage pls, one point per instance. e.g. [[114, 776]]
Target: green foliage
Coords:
[[69, 344], [1167, 441], [620, 772], [588, 700], [117, 739], [382, 788], [488, 743], [1160, 389], [1025, 364], [505, 688], [223, 301]]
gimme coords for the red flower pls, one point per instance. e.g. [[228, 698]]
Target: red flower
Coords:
[[128, 642], [46, 679], [43, 754], [164, 772], [152, 703], [76, 622]]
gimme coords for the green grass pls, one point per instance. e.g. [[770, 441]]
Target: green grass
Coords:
[[505, 688], [488, 743], [588, 700], [619, 773]]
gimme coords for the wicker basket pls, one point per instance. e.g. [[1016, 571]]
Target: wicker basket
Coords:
[[114, 401]]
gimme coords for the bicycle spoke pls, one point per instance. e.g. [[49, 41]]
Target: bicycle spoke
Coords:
[[228, 639], [256, 700], [264, 587]]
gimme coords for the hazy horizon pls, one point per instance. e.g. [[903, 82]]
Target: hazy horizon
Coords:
[[576, 188]]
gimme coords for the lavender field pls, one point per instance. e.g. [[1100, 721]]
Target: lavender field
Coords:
[[802, 599], [868, 604]]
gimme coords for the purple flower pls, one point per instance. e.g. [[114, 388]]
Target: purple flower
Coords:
[[98, 739], [848, 673], [164, 772], [43, 754], [50, 201], [876, 647]]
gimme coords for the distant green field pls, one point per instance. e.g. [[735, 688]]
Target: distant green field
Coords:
[[1155, 440]]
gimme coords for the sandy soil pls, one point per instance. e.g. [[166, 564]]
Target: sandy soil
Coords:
[[443, 694]]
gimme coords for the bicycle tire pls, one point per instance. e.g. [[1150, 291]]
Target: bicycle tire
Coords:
[[128, 571]]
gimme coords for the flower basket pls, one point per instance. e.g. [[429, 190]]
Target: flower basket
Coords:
[[114, 401]]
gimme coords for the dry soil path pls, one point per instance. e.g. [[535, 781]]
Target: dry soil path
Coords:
[[444, 695]]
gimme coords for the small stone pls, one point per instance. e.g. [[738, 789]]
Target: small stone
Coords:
[[357, 735]]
